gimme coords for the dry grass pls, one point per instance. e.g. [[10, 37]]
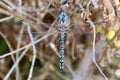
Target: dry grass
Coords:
[[29, 40]]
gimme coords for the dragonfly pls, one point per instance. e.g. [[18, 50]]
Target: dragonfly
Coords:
[[62, 17]]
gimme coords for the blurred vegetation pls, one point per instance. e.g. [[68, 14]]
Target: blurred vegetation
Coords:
[[42, 17]]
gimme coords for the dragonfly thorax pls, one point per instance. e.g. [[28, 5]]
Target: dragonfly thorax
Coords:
[[63, 27]]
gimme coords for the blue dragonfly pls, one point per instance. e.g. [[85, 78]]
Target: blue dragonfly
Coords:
[[62, 17]]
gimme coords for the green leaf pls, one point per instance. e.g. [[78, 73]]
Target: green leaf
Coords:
[[3, 46]]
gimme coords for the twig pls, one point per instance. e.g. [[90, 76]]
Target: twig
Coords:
[[17, 54], [3, 11], [6, 19], [34, 51], [5, 6]]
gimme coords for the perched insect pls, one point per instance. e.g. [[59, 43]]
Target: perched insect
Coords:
[[62, 17]]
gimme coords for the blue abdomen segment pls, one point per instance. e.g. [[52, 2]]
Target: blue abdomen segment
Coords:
[[63, 16], [62, 35]]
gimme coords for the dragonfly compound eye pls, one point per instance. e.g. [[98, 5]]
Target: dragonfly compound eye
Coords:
[[63, 16]]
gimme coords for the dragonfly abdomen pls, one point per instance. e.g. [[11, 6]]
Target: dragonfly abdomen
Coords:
[[62, 36]]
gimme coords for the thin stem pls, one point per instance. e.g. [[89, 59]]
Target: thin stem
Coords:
[[34, 52], [94, 58], [17, 54], [6, 19]]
